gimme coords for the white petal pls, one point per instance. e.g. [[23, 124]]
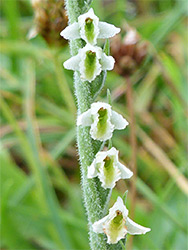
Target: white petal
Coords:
[[118, 121], [90, 14], [72, 63], [98, 226], [134, 228], [107, 30], [85, 119], [125, 172], [92, 170], [100, 156], [71, 32], [97, 105], [113, 151], [107, 62], [118, 205]]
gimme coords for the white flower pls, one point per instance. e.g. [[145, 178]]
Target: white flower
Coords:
[[103, 121], [108, 168], [117, 224], [90, 61], [89, 29]]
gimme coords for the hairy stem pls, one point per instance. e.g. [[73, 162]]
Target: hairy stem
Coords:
[[95, 197], [86, 146], [87, 150]]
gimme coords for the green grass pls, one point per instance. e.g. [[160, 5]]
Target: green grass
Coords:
[[41, 201]]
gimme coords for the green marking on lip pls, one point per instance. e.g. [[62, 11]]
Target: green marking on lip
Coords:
[[102, 123], [118, 218], [90, 64], [89, 29], [109, 170]]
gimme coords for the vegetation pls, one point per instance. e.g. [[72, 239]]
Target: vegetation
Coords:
[[41, 201]]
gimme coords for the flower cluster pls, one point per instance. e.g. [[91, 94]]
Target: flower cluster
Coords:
[[102, 120], [90, 60]]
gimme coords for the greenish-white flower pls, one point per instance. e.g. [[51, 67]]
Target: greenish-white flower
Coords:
[[108, 168], [117, 224], [103, 121], [89, 29], [90, 61]]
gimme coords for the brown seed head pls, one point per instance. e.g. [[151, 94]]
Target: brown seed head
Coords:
[[128, 52], [50, 20]]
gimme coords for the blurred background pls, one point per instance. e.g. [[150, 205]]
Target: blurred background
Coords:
[[41, 200]]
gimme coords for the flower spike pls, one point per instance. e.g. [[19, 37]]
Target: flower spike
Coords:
[[90, 61], [103, 121], [117, 224], [108, 168], [89, 29]]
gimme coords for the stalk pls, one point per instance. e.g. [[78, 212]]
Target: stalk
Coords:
[[87, 148], [96, 198]]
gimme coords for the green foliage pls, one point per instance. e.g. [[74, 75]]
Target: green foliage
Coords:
[[41, 203]]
